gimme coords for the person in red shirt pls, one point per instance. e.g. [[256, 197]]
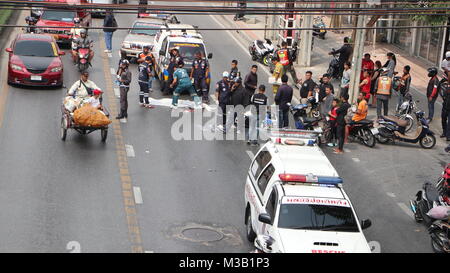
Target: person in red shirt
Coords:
[[332, 122], [367, 64], [365, 85]]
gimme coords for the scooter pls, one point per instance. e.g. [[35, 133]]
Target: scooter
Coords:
[[261, 51], [83, 58], [392, 128], [426, 198], [319, 27], [440, 236], [363, 131], [333, 67], [405, 110], [301, 120]]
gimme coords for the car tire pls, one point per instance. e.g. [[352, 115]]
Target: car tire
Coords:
[[251, 235]]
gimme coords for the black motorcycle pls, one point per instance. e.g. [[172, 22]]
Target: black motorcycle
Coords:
[[261, 51], [426, 199], [333, 67], [440, 236], [393, 128], [319, 28], [363, 131]]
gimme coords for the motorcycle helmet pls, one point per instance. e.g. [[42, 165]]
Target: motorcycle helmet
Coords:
[[83, 31], [238, 80], [76, 20], [125, 62], [432, 71], [447, 54], [225, 74]]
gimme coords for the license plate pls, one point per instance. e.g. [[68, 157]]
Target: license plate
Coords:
[[36, 78], [374, 131]]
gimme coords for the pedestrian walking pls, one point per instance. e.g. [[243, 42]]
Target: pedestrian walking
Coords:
[[373, 80], [445, 115], [199, 73], [432, 91], [344, 54], [145, 74], [307, 87], [259, 106], [340, 123], [223, 96], [110, 26], [250, 83], [124, 78], [183, 83], [390, 64], [345, 81], [405, 84], [277, 74], [383, 88], [283, 97]]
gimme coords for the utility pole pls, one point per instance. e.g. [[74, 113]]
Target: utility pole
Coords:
[[305, 41], [358, 52]]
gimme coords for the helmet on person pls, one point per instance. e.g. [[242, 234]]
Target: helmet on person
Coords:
[[225, 74], [447, 54], [83, 31], [76, 20], [432, 71], [125, 62]]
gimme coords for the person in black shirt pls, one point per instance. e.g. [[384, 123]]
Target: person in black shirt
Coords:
[[340, 122], [234, 72], [145, 73], [325, 82], [174, 59], [284, 96], [344, 54], [223, 95], [250, 83], [258, 102], [445, 114], [307, 86]]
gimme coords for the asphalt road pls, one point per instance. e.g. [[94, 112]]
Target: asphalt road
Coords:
[[54, 192]]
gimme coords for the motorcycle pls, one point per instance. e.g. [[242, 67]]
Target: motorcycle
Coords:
[[392, 128], [443, 184], [318, 27], [261, 51], [440, 236], [363, 131], [405, 110], [333, 67], [83, 58], [426, 199]]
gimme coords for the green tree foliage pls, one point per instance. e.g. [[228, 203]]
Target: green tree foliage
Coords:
[[432, 19]]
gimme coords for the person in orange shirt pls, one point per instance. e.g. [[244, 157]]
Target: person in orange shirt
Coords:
[[360, 114]]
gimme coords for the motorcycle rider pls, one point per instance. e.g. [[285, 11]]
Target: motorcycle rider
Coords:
[[183, 82], [242, 5], [383, 91], [82, 42], [360, 114], [199, 73], [145, 74], [124, 80], [432, 91], [82, 88], [286, 59], [31, 22], [344, 54], [223, 95]]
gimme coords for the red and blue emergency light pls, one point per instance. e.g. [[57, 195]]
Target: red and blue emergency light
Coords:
[[309, 178]]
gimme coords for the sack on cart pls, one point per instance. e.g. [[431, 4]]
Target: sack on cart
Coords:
[[90, 117]]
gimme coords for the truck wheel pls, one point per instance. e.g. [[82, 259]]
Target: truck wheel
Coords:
[[251, 235]]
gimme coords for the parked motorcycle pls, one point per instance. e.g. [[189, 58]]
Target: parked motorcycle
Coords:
[[363, 131], [83, 58], [440, 236], [405, 111], [319, 27], [426, 199], [392, 128], [261, 50], [333, 67]]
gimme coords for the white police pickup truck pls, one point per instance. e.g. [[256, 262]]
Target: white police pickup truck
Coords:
[[295, 201]]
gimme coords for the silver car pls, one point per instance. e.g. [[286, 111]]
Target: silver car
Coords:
[[139, 36]]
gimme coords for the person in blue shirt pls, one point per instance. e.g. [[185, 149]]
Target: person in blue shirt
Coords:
[[183, 83]]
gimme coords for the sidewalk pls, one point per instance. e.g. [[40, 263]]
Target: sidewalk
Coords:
[[320, 60]]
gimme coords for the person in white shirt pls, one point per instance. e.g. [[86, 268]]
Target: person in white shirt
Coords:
[[82, 88], [445, 65], [94, 101]]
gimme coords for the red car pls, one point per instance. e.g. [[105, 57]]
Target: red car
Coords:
[[34, 60]]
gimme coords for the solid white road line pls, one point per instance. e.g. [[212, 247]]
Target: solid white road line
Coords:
[[250, 154], [137, 195], [130, 150], [391, 194], [406, 209]]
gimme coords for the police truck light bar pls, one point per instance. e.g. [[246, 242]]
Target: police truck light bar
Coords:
[[310, 178]]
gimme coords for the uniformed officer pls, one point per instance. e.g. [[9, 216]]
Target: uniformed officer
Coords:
[[145, 74], [223, 95], [173, 63], [124, 78], [259, 101], [199, 72], [183, 82], [234, 71]]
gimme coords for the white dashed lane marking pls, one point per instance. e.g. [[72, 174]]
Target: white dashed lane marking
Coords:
[[130, 150], [250, 154], [406, 209], [137, 195], [355, 159]]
